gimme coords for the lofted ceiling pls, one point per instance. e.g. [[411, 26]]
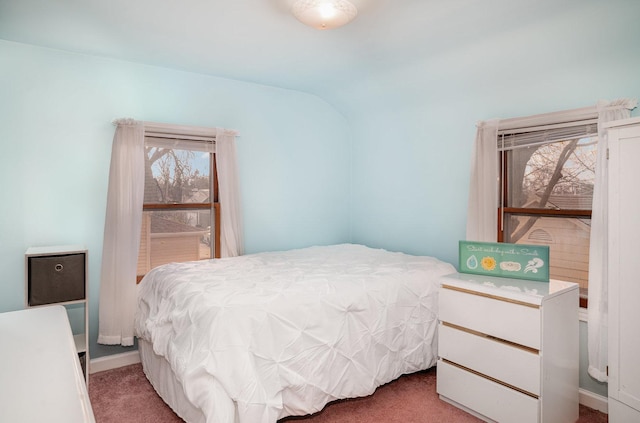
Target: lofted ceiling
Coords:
[[260, 41]]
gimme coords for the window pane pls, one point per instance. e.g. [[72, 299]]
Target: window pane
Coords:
[[567, 238], [174, 236], [176, 176], [553, 176]]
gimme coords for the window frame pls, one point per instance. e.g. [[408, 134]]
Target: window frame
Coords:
[[191, 133], [503, 186]]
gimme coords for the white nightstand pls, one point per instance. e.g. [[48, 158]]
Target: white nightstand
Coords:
[[41, 379], [508, 348]]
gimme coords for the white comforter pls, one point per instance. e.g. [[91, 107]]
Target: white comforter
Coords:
[[260, 337]]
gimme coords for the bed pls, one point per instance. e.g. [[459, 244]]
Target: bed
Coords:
[[256, 338]]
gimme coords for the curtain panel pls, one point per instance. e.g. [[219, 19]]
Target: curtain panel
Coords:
[[125, 198], [231, 236], [482, 209], [122, 235]]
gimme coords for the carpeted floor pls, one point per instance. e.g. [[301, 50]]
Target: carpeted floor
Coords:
[[124, 395]]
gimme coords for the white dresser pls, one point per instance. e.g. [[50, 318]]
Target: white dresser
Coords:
[[508, 348], [40, 375]]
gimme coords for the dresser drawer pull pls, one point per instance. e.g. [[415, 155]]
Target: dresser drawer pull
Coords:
[[493, 338], [490, 378], [493, 297]]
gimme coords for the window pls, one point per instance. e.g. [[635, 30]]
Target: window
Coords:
[[546, 182], [180, 220]]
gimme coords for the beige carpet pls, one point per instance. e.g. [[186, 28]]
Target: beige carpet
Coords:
[[125, 396]]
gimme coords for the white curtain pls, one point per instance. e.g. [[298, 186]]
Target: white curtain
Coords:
[[482, 224], [122, 235], [231, 239], [598, 313]]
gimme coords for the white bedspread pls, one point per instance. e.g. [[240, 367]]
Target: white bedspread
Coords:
[[260, 337]]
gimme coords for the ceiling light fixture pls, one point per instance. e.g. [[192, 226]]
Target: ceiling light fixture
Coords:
[[324, 14]]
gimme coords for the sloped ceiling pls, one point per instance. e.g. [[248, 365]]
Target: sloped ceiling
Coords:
[[260, 41]]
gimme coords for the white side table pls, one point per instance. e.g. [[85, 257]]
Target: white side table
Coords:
[[40, 375]]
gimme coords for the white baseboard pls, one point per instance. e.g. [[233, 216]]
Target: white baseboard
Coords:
[[595, 401], [113, 361]]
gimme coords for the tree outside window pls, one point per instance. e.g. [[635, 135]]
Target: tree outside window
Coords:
[[547, 192], [180, 203]]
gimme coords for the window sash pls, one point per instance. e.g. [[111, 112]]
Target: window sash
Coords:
[[548, 129], [170, 137]]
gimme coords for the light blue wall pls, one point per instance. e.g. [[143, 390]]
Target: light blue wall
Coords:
[[414, 125], [55, 128]]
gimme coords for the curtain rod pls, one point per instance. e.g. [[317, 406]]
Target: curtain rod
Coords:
[[169, 128], [566, 116], [185, 129]]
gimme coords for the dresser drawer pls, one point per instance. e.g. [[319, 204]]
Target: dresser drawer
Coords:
[[491, 315], [495, 401], [509, 364]]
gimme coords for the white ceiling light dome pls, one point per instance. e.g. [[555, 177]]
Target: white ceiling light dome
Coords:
[[324, 14]]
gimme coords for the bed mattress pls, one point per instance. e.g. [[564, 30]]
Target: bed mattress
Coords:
[[259, 337]]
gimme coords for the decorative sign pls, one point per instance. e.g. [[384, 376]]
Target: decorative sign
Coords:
[[505, 260]]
